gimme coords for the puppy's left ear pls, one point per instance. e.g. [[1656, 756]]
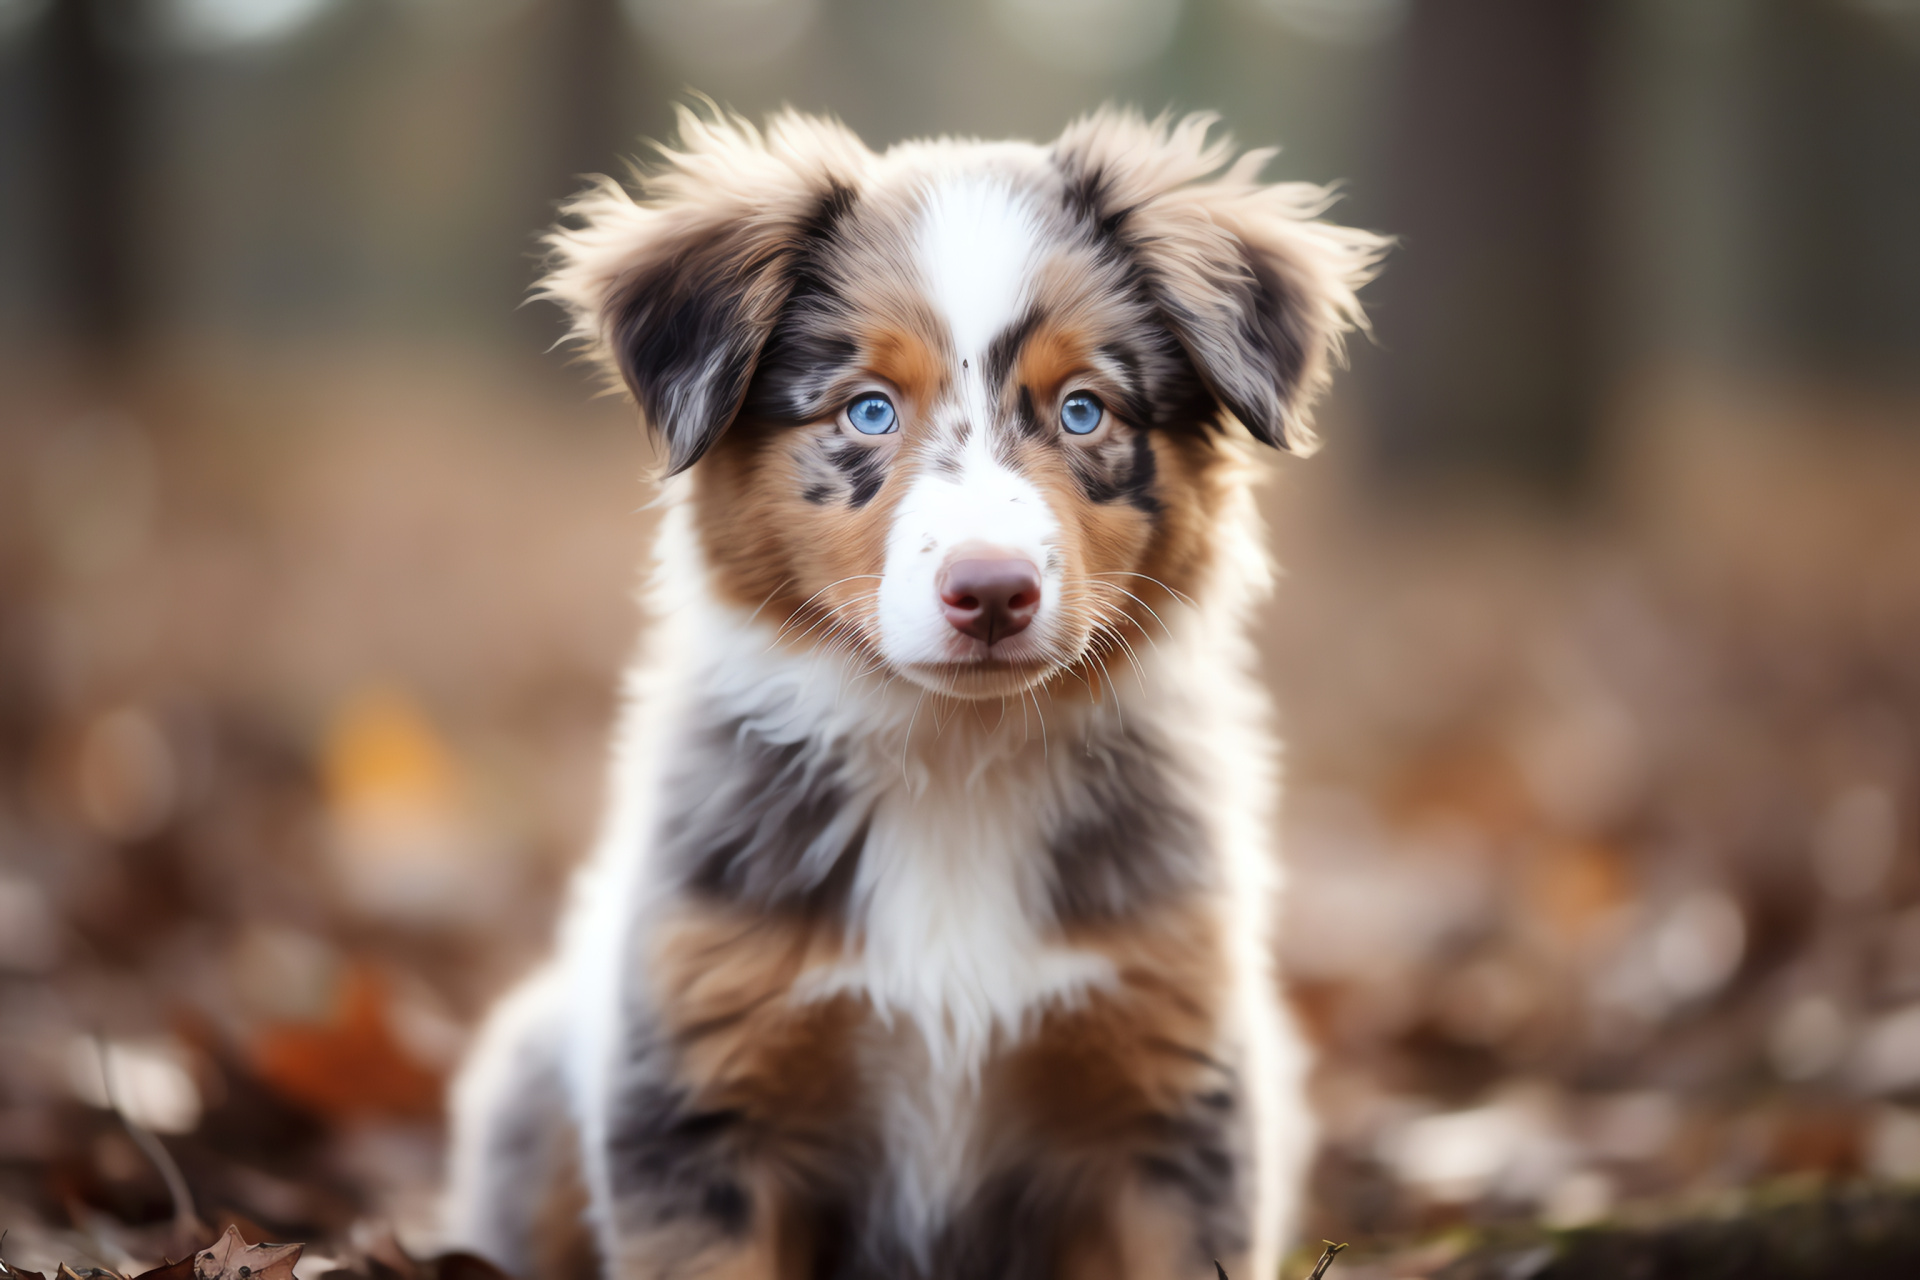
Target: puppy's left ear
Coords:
[[1259, 291], [675, 293]]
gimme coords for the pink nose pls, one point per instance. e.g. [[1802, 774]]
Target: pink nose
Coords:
[[990, 598]]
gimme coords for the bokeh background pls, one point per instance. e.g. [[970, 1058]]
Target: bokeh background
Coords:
[[1598, 651]]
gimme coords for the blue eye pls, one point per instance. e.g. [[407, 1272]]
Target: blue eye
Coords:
[[1081, 414], [872, 415]]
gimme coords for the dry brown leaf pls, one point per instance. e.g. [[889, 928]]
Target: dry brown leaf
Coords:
[[352, 1065], [86, 1273], [181, 1270], [231, 1258]]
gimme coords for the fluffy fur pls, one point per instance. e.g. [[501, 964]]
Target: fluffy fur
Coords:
[[903, 954]]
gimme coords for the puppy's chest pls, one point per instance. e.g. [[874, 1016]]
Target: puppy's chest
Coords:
[[905, 931], [929, 896], [911, 943], [949, 925]]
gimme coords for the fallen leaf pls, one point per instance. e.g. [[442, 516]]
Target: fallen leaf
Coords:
[[14, 1273], [181, 1270], [352, 1065], [231, 1258]]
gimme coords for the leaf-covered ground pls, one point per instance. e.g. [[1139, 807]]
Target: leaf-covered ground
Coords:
[[1601, 827]]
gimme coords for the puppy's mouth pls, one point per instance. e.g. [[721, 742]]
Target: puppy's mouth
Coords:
[[987, 676]]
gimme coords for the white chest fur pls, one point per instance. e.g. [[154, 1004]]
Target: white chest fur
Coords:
[[949, 925]]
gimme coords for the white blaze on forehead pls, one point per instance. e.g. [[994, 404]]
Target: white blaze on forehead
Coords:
[[976, 239]]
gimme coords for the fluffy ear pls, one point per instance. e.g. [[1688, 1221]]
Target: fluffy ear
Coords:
[[1258, 291], [674, 289]]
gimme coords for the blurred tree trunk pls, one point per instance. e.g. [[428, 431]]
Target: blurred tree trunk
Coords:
[[1487, 312], [1835, 189], [593, 78], [596, 68], [92, 199]]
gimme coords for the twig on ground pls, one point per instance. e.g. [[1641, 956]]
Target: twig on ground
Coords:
[[1319, 1268], [1326, 1259], [187, 1227]]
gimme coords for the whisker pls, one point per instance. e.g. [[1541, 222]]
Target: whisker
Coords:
[[801, 608], [1181, 596], [1143, 604], [830, 614], [1132, 657], [907, 742], [1118, 621], [783, 585]]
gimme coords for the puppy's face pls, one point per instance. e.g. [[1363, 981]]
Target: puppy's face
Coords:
[[963, 412], [967, 452]]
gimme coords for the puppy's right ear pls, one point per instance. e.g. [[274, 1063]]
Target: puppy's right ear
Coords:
[[675, 292]]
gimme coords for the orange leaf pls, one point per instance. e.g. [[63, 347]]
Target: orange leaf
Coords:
[[351, 1065]]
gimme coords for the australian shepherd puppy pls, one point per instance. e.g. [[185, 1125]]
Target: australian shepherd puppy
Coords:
[[928, 934]]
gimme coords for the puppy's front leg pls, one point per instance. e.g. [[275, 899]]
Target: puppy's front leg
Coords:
[[737, 1101], [687, 1200]]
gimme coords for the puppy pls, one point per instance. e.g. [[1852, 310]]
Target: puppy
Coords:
[[928, 933]]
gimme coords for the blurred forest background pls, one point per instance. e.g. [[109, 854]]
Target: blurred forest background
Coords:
[[1598, 652]]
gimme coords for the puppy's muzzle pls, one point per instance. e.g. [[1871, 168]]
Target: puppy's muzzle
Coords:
[[990, 596]]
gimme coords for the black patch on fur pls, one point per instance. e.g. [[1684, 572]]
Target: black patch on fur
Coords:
[[682, 336], [1133, 844], [809, 344], [760, 824], [1267, 330], [1126, 357], [819, 232], [1133, 483], [1182, 398], [1179, 402], [1004, 350], [1087, 196], [1015, 1227], [1135, 406], [1268, 341], [1137, 486], [1200, 1154], [864, 467], [676, 1163], [1025, 418], [818, 494], [670, 1163], [802, 361], [685, 346], [1271, 325]]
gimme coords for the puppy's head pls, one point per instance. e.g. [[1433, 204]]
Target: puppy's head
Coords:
[[968, 411]]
